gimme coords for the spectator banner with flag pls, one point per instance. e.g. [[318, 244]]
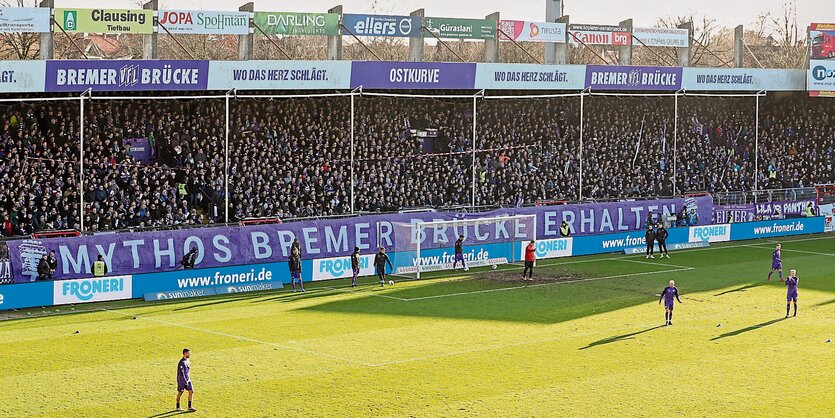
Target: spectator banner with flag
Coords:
[[25, 19], [193, 22], [382, 25], [742, 79], [22, 76], [764, 211], [288, 23], [668, 37], [615, 77], [529, 77], [139, 149], [461, 28], [524, 31], [126, 75], [105, 20], [413, 75], [156, 251], [279, 75], [599, 35]]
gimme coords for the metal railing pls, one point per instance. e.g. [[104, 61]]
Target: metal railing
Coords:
[[763, 196]]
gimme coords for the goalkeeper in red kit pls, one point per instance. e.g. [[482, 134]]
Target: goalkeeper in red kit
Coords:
[[530, 258]]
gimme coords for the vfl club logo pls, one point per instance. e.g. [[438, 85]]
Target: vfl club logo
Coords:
[[129, 75], [634, 78]]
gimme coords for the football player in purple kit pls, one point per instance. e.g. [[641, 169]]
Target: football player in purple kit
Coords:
[[776, 263], [791, 291], [669, 295], [184, 380]]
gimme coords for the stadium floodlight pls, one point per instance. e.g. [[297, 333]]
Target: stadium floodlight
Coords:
[[425, 246]]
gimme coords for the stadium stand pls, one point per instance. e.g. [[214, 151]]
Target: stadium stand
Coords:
[[290, 158]]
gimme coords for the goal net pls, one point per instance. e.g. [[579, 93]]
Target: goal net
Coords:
[[426, 246]]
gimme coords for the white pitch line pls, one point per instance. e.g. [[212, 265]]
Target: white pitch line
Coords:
[[371, 293], [792, 251], [652, 263], [242, 338], [501, 289]]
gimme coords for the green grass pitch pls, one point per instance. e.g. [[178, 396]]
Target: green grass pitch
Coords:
[[454, 345]]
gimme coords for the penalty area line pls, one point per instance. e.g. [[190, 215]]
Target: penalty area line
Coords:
[[502, 289]]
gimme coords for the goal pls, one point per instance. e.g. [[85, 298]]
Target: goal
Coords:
[[427, 246]]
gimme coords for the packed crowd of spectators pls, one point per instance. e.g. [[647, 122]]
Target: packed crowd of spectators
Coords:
[[291, 158]]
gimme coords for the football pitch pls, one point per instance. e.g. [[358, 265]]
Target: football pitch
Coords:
[[473, 344]]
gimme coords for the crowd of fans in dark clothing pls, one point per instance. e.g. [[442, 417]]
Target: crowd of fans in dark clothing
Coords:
[[291, 158]]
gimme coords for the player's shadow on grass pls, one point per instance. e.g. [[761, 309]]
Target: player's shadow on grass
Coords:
[[829, 302], [746, 329], [740, 289], [622, 337], [170, 413]]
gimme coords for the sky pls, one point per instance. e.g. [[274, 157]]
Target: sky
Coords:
[[643, 12]]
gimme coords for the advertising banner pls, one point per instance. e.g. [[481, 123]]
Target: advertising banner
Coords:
[[268, 276], [678, 246], [529, 77], [105, 20], [828, 213], [821, 78], [161, 251], [289, 23], [742, 79], [599, 35], [340, 267], [710, 233], [669, 37], [125, 75], [549, 248], [616, 243], [95, 289], [22, 76], [279, 75], [193, 22], [615, 77], [26, 295], [412, 75], [382, 25], [25, 19], [524, 31], [822, 41], [179, 294], [438, 259], [461, 28], [776, 228]]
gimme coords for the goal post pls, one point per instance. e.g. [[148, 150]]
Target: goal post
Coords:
[[427, 246]]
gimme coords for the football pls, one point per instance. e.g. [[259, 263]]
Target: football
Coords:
[[391, 282], [466, 269], [494, 267]]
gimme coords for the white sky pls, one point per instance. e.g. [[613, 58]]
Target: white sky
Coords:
[[644, 12]]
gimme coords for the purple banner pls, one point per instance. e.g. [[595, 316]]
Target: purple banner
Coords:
[[614, 77], [763, 211], [140, 149], [126, 75], [144, 252], [413, 75]]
